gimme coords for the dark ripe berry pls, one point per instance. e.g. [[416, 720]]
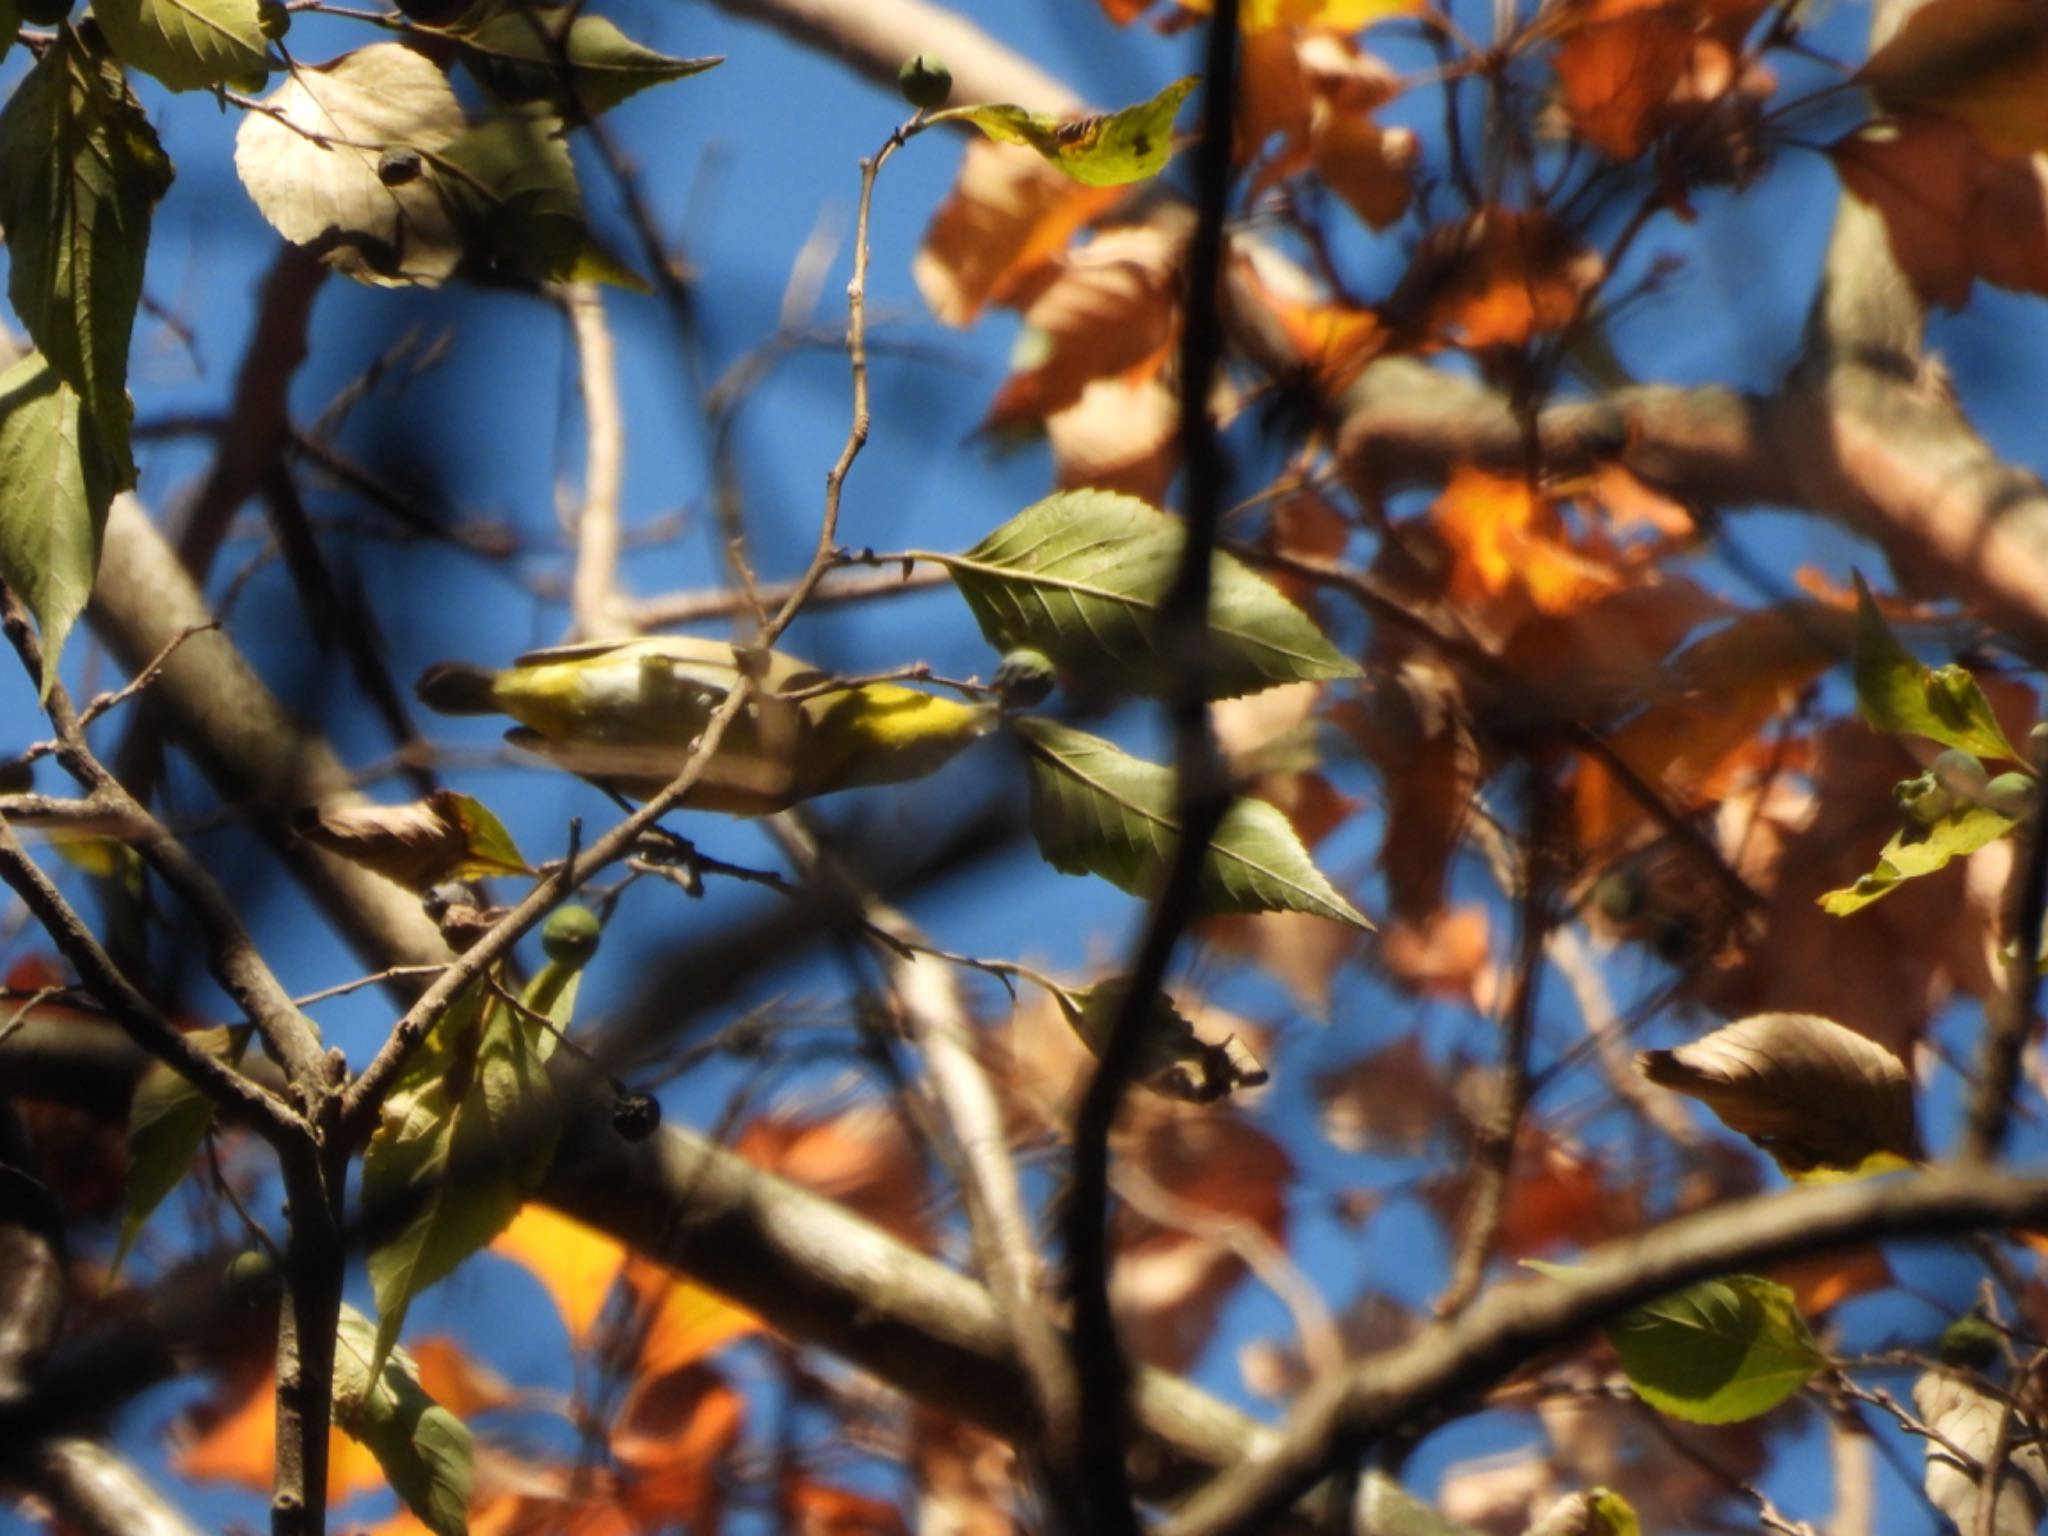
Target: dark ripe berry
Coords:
[[273, 18], [570, 935], [925, 81], [635, 1116], [398, 165]]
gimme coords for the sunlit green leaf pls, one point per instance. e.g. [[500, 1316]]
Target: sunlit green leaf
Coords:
[[1921, 852], [1719, 1352], [1081, 577], [56, 482], [423, 1449], [1897, 692], [514, 187], [466, 1135], [520, 52], [80, 171], [1107, 150], [489, 847], [187, 44], [168, 1119], [1097, 810]]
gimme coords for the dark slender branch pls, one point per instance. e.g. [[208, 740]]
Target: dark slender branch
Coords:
[[1095, 1454]]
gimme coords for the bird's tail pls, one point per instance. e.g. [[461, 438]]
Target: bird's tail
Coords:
[[458, 688]]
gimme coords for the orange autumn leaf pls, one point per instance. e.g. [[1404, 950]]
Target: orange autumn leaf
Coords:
[[684, 1321], [1108, 309], [1505, 538], [861, 1157], [233, 1439], [1257, 16], [1316, 91], [673, 1433], [1982, 63], [1009, 214], [822, 1510], [1617, 67], [1824, 1281], [575, 1263], [1953, 210], [1497, 278], [1119, 436], [966, 1479], [451, 1378], [1446, 955], [1329, 342]]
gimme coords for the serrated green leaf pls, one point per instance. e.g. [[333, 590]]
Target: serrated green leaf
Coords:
[[520, 53], [168, 1119], [56, 481], [1959, 833], [1108, 150], [80, 170], [1097, 810], [514, 188], [1081, 576], [187, 44], [337, 161], [465, 1137], [1897, 692], [1719, 1352], [424, 1450]]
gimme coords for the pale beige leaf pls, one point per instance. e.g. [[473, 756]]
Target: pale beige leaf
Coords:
[[1968, 1418], [1810, 1092], [312, 164]]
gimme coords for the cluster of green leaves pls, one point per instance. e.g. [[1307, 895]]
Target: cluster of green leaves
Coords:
[[370, 158], [1956, 806]]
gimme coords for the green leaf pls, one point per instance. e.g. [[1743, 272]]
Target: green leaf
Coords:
[[490, 849], [466, 1135], [514, 188], [520, 54], [1099, 811], [187, 44], [1108, 150], [56, 482], [1897, 692], [168, 1119], [1960, 832], [80, 170], [1173, 1061], [1081, 576], [424, 1449], [338, 161], [1718, 1352]]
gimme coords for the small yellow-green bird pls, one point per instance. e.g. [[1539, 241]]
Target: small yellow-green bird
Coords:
[[624, 714]]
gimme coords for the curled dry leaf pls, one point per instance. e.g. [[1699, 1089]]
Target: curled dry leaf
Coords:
[[1173, 1060], [447, 836], [1981, 63], [1118, 436], [1315, 91], [311, 162], [1816, 1096], [1967, 1417]]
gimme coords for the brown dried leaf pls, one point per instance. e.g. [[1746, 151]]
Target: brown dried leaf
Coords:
[[1953, 210], [1983, 63], [1496, 278], [1109, 309], [1617, 67], [1967, 1417], [1118, 437], [1811, 1093], [1394, 1100], [1443, 955], [964, 1478], [1010, 213]]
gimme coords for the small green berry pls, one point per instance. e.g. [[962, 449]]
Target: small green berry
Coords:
[[1959, 773], [925, 81], [570, 936], [1024, 678], [2012, 794], [1968, 1343]]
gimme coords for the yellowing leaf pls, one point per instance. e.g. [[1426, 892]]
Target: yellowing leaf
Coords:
[[685, 1323], [1107, 150], [576, 1264], [1960, 832], [187, 44], [1897, 693], [1811, 1093], [447, 836]]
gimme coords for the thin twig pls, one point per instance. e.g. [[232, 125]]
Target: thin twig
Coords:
[[594, 601]]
